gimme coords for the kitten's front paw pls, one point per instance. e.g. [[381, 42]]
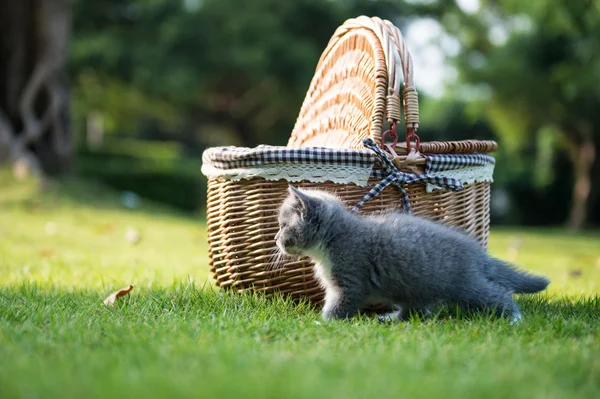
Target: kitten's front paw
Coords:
[[327, 315], [337, 315]]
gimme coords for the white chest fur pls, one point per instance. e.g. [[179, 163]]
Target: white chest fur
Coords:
[[322, 267]]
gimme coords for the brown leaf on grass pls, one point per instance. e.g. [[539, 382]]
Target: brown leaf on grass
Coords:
[[46, 252], [110, 300], [575, 273]]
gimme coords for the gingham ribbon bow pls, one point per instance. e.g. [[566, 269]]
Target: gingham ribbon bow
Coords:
[[399, 179]]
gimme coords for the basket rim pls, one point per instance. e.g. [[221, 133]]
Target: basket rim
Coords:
[[264, 154], [229, 158]]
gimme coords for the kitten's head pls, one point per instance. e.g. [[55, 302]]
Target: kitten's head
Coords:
[[303, 219]]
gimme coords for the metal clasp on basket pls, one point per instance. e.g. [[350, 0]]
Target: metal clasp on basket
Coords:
[[391, 147], [411, 135], [392, 133]]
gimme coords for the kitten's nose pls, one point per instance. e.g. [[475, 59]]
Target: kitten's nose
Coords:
[[277, 235]]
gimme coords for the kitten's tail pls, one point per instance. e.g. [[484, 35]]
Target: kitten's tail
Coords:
[[519, 281]]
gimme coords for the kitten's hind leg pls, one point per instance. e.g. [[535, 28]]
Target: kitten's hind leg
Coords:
[[516, 317], [491, 296]]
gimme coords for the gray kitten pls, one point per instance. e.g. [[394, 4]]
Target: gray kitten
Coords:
[[404, 261]]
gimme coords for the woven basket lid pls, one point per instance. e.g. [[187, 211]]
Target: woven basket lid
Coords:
[[357, 88]]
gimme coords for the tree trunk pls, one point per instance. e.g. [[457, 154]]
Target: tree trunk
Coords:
[[34, 109], [583, 156], [594, 200]]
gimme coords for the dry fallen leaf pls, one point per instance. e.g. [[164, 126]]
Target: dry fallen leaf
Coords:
[[575, 273], [110, 300], [46, 252]]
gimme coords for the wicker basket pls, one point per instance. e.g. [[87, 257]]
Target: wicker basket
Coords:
[[354, 92]]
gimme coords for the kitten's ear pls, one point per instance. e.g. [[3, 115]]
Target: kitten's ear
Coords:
[[301, 198]]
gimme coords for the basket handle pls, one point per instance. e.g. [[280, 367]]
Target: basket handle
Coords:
[[399, 67]]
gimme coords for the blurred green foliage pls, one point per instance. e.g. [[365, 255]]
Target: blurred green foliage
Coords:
[[206, 72], [535, 66], [223, 72], [155, 170]]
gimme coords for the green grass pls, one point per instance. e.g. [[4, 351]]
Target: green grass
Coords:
[[176, 336]]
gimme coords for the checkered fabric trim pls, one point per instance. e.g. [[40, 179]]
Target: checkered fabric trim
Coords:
[[399, 179], [236, 157], [230, 158], [240, 157], [442, 162]]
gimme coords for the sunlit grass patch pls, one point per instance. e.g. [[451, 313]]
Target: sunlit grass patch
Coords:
[[175, 335]]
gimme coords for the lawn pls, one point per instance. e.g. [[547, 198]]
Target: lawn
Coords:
[[176, 336]]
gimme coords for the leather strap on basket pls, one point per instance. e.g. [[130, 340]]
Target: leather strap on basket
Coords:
[[399, 67]]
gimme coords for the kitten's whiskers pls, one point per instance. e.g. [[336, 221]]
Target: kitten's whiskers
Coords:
[[277, 260]]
